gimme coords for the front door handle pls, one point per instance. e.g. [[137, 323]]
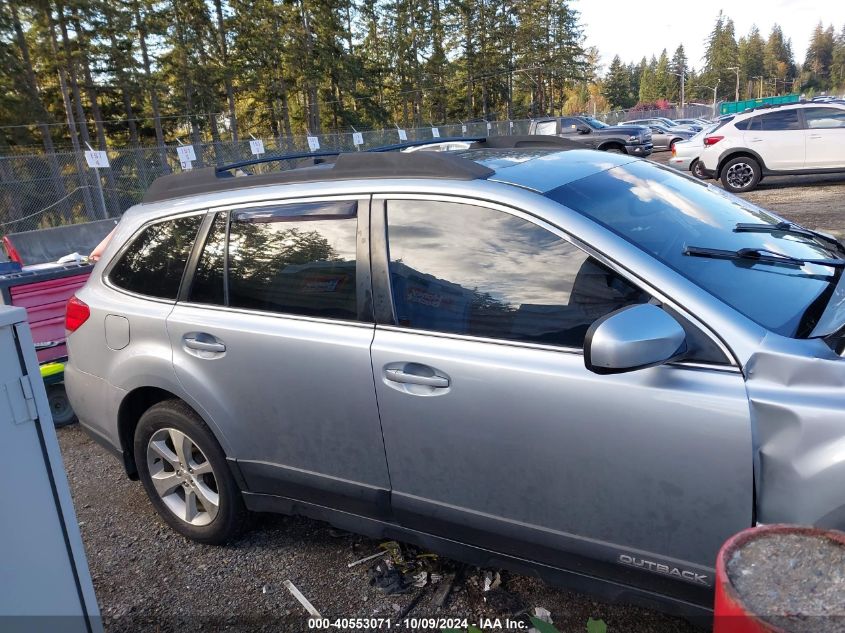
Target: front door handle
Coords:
[[399, 375], [206, 343]]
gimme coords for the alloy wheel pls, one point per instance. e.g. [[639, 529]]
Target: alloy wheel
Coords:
[[182, 476], [740, 175]]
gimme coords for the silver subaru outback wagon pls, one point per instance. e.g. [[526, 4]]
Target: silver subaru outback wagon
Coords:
[[566, 362]]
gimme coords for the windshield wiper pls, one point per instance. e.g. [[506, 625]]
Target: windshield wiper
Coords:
[[790, 229], [760, 255]]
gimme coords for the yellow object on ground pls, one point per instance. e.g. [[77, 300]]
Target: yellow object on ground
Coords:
[[51, 369]]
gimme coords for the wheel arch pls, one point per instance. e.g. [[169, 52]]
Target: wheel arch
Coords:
[[134, 405], [737, 153], [611, 144]]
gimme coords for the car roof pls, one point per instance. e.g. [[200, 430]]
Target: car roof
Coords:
[[533, 162], [763, 109]]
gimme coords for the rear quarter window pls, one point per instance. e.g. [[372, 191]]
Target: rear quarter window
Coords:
[[153, 263]]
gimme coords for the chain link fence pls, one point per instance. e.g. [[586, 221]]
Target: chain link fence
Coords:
[[40, 191]]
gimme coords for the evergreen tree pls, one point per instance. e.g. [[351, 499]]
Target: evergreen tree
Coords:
[[819, 59], [617, 85]]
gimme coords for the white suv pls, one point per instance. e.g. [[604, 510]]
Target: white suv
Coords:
[[803, 138]]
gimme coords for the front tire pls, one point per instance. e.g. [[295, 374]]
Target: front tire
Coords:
[[614, 149], [741, 174], [185, 474]]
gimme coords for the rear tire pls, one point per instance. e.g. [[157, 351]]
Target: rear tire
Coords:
[[186, 476], [697, 169], [741, 174], [60, 406]]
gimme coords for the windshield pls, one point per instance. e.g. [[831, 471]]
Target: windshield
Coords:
[[663, 214], [594, 123]]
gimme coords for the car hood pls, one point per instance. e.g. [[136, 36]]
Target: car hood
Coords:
[[625, 129]]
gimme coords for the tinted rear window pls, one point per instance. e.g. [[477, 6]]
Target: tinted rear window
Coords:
[[295, 259], [155, 260]]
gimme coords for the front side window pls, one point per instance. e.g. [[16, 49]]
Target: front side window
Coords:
[[824, 118], [295, 259], [463, 269], [154, 262]]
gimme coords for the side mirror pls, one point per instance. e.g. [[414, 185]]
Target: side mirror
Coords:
[[633, 338], [582, 129]]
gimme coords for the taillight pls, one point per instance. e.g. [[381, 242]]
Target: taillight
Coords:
[[77, 313], [712, 140], [673, 150]]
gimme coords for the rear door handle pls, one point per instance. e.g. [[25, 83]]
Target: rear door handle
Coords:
[[398, 375], [209, 344]]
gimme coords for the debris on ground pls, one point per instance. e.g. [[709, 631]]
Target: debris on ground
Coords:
[[541, 615], [302, 600], [402, 567], [442, 591], [365, 559]]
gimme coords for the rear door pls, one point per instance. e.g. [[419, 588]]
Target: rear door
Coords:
[[825, 137], [779, 138], [497, 434], [273, 337]]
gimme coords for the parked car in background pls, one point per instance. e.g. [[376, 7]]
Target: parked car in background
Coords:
[[661, 121], [685, 154], [695, 124], [664, 139], [802, 138], [329, 340], [593, 134]]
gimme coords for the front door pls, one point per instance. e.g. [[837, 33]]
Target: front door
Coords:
[[779, 138], [495, 431], [825, 137], [275, 343]]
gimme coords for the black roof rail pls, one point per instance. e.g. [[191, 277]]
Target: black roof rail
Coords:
[[272, 159], [381, 162]]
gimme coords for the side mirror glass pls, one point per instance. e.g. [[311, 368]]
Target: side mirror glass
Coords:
[[634, 337], [583, 129]]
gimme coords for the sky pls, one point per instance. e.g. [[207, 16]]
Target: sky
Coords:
[[634, 30]]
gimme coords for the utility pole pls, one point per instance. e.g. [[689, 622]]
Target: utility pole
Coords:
[[682, 75], [736, 68], [760, 77]]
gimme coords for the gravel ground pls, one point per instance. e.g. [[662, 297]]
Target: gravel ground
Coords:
[[148, 578]]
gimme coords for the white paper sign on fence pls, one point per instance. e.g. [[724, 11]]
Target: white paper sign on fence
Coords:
[[435, 133], [186, 165], [96, 159], [186, 153], [357, 138], [403, 136], [489, 126], [463, 129], [313, 143], [256, 146]]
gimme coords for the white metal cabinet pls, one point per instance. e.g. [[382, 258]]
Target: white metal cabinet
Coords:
[[44, 580]]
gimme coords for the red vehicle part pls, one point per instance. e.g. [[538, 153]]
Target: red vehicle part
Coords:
[[44, 294], [729, 613], [11, 251]]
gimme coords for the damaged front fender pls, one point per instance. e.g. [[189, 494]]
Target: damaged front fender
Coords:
[[796, 392]]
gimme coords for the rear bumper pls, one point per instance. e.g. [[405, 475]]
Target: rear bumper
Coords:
[[640, 150], [96, 403], [681, 163]]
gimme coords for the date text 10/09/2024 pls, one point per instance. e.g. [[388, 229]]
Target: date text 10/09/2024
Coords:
[[447, 625], [416, 624]]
